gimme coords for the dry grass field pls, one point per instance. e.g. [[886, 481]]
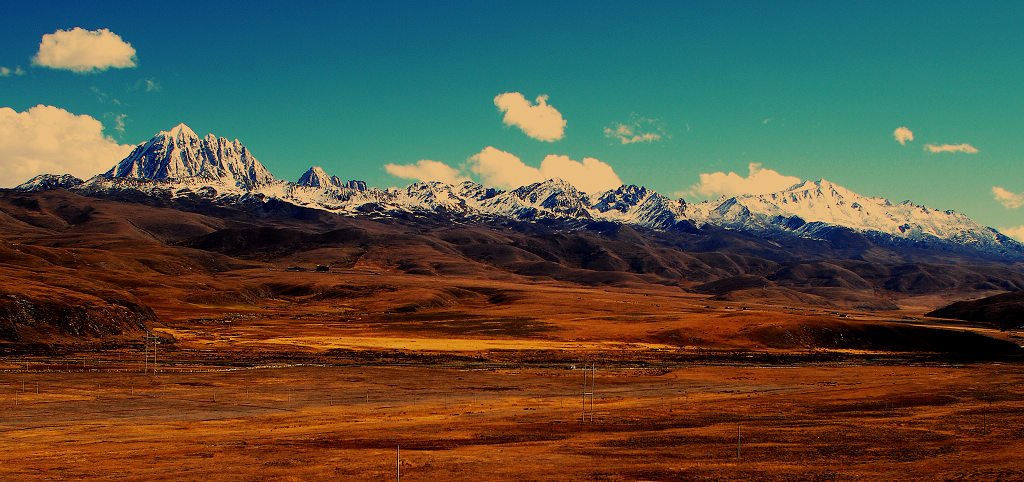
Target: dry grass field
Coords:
[[314, 422], [466, 350], [327, 375]]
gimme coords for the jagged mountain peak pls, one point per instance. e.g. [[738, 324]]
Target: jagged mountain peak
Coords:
[[548, 187], [179, 153], [317, 177], [555, 196], [180, 132], [621, 198]]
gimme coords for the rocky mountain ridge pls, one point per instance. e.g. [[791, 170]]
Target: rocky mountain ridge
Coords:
[[177, 163]]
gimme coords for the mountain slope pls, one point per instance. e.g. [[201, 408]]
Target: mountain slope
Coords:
[[1005, 310], [814, 208], [177, 164]]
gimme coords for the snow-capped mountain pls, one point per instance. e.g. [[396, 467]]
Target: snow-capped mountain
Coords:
[[631, 204], [179, 153], [552, 198], [316, 177], [44, 182], [178, 164], [809, 208]]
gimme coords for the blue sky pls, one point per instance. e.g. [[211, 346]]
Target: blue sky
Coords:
[[804, 89]]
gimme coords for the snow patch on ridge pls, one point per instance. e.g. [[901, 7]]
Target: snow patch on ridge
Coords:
[[177, 163]]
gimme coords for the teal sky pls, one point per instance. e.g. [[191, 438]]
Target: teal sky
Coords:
[[805, 89]]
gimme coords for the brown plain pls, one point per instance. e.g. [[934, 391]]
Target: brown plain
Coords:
[[263, 373]]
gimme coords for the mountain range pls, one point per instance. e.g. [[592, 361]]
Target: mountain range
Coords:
[[178, 164]]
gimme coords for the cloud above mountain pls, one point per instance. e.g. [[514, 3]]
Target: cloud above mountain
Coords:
[[539, 121], [501, 169], [84, 51], [504, 170], [426, 170], [757, 181], [965, 148], [903, 135], [51, 140], [496, 168], [1009, 200]]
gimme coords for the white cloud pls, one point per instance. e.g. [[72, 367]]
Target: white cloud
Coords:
[[4, 71], [541, 121], [1009, 200], [504, 170], [152, 85], [19, 71], [965, 148], [501, 169], [903, 135], [497, 168], [758, 181], [426, 170], [638, 129], [51, 140], [84, 51], [1015, 232]]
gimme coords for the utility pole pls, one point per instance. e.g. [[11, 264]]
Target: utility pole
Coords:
[[589, 376], [738, 438], [147, 366]]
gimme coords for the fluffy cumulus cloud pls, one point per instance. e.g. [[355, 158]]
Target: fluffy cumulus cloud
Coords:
[[498, 168], [426, 170], [1015, 232], [1010, 200], [638, 129], [82, 51], [51, 140], [965, 148], [903, 135], [501, 169], [539, 121], [758, 181]]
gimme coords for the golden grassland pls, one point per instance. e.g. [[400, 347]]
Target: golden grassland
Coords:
[[482, 379]]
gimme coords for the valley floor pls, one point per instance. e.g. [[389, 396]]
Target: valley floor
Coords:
[[267, 374], [844, 421]]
